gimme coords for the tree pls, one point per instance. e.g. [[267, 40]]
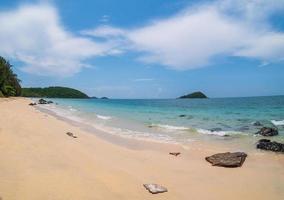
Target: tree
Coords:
[[9, 82]]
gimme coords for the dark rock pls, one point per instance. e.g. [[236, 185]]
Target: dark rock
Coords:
[[182, 115], [265, 131], [32, 104], [215, 129], [257, 123], [155, 188], [227, 159], [263, 140], [265, 144], [104, 98], [71, 134], [42, 101], [174, 153]]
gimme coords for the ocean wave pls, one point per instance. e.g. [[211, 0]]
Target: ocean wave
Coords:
[[169, 127], [219, 133], [103, 117], [208, 132], [278, 122]]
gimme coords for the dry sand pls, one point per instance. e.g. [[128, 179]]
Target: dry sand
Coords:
[[38, 161]]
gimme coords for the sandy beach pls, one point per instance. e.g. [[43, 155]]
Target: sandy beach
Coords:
[[39, 161]]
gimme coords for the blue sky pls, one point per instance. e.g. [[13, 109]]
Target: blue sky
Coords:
[[147, 49]]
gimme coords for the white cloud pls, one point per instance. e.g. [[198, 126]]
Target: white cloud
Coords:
[[195, 36], [105, 31], [35, 36], [190, 39]]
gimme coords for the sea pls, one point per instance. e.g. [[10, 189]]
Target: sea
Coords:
[[176, 120]]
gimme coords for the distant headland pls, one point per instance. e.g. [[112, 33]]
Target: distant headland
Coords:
[[53, 92], [194, 95]]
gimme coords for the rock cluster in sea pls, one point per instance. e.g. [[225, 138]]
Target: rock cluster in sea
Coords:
[[43, 101], [265, 131]]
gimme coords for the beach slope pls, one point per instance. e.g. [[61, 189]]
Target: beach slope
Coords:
[[40, 161]]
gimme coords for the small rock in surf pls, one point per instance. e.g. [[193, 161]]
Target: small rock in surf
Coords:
[[266, 131], [257, 123]]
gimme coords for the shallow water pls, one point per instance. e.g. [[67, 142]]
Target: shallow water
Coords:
[[177, 120]]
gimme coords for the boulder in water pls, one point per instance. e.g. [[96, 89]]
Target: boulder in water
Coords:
[[155, 188], [182, 115], [257, 123], [265, 144], [266, 131], [215, 129], [227, 159], [42, 101]]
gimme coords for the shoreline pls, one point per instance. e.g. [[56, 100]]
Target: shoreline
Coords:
[[239, 142], [39, 161]]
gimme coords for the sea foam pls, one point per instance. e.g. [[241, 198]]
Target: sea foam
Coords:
[[278, 122], [103, 117], [169, 127]]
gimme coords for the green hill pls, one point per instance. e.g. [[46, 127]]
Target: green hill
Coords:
[[9, 82], [53, 92], [194, 95]]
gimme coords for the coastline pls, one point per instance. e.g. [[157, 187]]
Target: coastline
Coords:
[[39, 161]]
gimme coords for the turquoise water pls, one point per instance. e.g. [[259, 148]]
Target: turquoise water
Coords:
[[176, 119]]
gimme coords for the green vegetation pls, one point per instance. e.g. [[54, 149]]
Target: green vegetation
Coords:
[[53, 92], [194, 95], [9, 83]]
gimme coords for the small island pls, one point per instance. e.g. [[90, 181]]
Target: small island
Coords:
[[53, 92], [194, 95]]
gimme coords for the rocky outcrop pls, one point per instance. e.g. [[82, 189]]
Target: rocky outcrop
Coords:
[[43, 101], [265, 144], [194, 95], [227, 159], [266, 131], [155, 188], [32, 104]]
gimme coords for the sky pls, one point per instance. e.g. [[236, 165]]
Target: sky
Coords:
[[146, 48]]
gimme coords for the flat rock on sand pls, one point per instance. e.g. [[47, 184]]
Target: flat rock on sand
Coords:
[[155, 188], [227, 159]]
